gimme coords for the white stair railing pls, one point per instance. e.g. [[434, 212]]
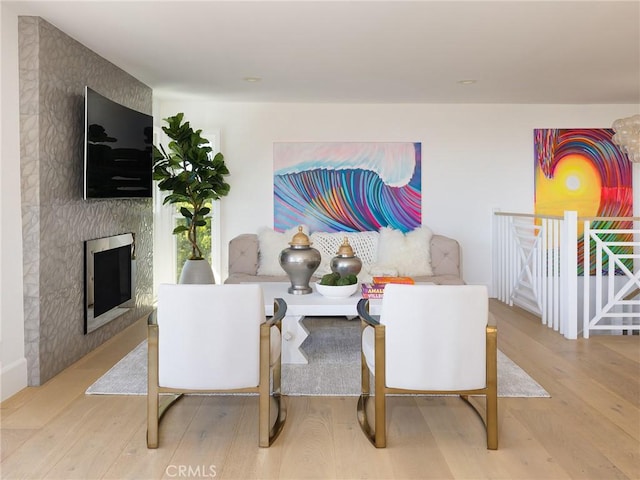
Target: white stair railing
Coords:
[[615, 302], [527, 266], [536, 268]]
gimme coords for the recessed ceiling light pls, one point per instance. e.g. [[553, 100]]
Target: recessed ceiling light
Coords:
[[467, 82], [252, 79]]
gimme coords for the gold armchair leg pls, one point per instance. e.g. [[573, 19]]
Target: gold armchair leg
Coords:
[[376, 434], [155, 408], [279, 401], [152, 421], [492, 388], [380, 387], [267, 433], [361, 409], [364, 369], [492, 421], [490, 417], [152, 387], [268, 404]]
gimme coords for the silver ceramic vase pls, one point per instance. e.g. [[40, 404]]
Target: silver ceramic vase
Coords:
[[300, 261], [345, 261]]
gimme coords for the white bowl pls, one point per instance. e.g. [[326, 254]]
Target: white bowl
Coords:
[[337, 291]]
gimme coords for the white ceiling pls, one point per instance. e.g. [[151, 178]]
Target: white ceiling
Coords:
[[578, 52]]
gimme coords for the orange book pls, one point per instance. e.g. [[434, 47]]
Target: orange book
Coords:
[[385, 280]]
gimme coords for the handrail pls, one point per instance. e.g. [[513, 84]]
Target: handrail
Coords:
[[527, 215], [561, 217]]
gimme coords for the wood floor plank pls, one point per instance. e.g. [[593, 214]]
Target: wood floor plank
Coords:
[[40, 453], [520, 453], [46, 401], [310, 451], [206, 441], [588, 429], [579, 419], [99, 443], [462, 443], [611, 370], [622, 346], [16, 401], [244, 458], [461, 438], [574, 453], [414, 451], [355, 456], [44, 404], [615, 409], [12, 439], [137, 462]]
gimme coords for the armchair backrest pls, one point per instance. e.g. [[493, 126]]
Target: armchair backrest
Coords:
[[435, 336], [209, 335]]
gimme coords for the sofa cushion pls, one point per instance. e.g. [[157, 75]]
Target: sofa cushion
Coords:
[[271, 243], [243, 254], [409, 253], [445, 256]]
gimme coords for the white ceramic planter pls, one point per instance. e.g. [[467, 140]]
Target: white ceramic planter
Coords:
[[197, 272]]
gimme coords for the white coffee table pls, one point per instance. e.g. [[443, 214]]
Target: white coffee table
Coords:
[[299, 306]]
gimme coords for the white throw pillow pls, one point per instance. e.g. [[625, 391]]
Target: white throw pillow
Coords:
[[364, 244], [380, 270], [409, 253], [270, 244]]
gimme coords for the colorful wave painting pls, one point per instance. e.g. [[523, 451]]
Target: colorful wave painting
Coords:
[[348, 186], [584, 171]]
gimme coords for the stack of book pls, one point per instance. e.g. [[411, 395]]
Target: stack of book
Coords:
[[375, 289]]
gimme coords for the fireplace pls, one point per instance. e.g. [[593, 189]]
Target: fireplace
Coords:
[[109, 287]]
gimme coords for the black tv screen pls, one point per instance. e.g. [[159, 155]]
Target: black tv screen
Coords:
[[118, 150]]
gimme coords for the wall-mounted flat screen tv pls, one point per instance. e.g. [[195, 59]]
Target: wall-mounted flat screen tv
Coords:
[[118, 151]]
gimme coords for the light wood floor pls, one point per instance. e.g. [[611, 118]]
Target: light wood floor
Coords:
[[589, 429]]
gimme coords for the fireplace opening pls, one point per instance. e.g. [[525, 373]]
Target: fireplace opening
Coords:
[[109, 279]]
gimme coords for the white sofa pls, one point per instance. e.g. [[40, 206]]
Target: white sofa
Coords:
[[248, 264]]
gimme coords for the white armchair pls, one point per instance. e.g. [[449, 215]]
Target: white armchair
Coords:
[[214, 338], [432, 339]]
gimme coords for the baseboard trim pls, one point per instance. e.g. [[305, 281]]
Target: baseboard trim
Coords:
[[13, 378]]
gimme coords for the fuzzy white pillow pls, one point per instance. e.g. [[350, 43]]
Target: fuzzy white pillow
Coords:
[[409, 253], [270, 244]]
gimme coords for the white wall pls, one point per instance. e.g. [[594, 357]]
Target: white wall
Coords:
[[13, 365], [475, 157]]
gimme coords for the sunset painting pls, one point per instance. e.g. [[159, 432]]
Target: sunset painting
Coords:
[[584, 171]]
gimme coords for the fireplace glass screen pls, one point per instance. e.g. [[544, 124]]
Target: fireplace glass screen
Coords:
[[109, 285]]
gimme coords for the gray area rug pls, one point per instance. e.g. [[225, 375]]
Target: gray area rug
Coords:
[[333, 350]]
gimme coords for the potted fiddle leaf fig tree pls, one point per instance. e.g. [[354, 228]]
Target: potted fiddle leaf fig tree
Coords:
[[194, 177]]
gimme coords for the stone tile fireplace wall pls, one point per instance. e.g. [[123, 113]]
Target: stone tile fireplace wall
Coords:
[[54, 70]]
